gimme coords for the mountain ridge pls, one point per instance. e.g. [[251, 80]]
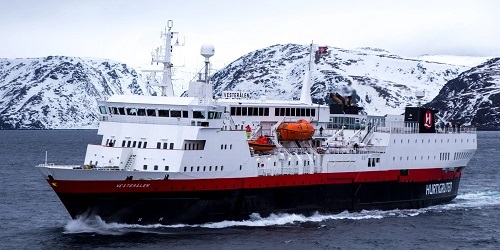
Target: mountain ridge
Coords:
[[59, 92]]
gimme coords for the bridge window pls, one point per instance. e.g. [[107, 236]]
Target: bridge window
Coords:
[[156, 167], [198, 114], [151, 112], [102, 109], [131, 111], [133, 144], [166, 168], [175, 113], [163, 113], [140, 144], [145, 144], [141, 112], [145, 167], [128, 144]]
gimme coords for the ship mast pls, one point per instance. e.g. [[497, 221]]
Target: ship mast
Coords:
[[305, 96], [163, 55]]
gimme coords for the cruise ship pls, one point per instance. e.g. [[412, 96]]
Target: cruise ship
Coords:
[[195, 159]]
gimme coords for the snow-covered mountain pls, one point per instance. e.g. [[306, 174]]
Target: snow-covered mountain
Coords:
[[473, 98], [380, 82], [60, 92]]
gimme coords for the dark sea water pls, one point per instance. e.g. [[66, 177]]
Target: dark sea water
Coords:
[[32, 216]]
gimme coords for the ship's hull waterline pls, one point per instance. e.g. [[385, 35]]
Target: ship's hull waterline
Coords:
[[199, 202]]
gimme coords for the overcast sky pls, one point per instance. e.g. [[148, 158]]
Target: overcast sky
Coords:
[[127, 30]]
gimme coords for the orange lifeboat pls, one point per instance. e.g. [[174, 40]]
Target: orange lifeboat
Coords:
[[261, 144], [300, 130]]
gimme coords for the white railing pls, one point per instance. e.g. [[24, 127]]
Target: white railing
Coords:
[[52, 165]]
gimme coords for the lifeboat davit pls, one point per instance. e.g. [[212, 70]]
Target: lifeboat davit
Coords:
[[300, 130], [261, 144]]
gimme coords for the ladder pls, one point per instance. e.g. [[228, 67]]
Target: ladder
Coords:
[[130, 162]]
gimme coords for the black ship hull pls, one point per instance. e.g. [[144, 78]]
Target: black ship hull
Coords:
[[199, 206]]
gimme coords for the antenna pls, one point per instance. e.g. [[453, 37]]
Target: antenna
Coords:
[[207, 50], [163, 55], [419, 94]]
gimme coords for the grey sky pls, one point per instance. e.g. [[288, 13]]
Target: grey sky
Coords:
[[127, 30]]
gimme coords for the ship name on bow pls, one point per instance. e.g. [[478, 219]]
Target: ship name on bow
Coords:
[[132, 185], [440, 188]]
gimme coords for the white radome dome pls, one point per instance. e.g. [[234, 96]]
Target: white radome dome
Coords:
[[207, 50]]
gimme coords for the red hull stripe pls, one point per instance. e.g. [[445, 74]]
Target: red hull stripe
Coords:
[[414, 175]]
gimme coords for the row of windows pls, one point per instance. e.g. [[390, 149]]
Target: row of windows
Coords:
[[415, 158], [110, 142], [249, 111], [205, 168], [133, 144], [306, 163], [436, 141], [145, 167], [444, 156], [257, 111], [165, 145], [462, 155], [224, 146], [198, 145], [294, 112], [197, 114], [372, 162]]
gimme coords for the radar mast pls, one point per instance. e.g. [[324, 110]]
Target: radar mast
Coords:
[[163, 55]]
